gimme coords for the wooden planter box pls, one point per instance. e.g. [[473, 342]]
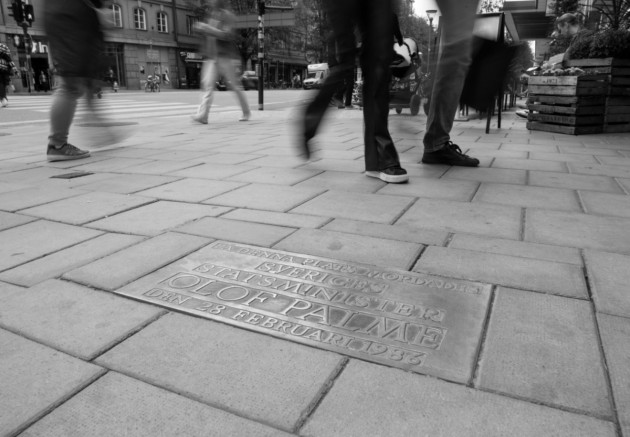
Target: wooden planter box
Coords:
[[567, 104], [617, 107]]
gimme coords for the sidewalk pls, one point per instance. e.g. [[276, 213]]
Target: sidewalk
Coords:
[[200, 280]]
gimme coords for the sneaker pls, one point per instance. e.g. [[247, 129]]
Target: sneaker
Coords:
[[198, 119], [245, 117], [5, 102], [392, 175], [67, 152], [450, 154]]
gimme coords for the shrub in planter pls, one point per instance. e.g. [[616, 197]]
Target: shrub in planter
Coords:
[[609, 43]]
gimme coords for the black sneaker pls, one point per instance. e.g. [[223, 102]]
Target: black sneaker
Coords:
[[66, 152], [392, 175], [450, 154]]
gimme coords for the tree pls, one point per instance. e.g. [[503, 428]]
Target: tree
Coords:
[[489, 6], [615, 14]]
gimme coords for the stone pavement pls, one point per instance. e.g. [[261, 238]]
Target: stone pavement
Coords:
[[544, 221]]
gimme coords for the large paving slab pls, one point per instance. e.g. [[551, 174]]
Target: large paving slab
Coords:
[[545, 349], [528, 196], [346, 181], [529, 164], [615, 171], [33, 240], [33, 196], [86, 207], [446, 189], [190, 190], [75, 319], [117, 405], [276, 218], [57, 263], [609, 276], [397, 232], [252, 375], [157, 217], [126, 183], [615, 332], [524, 273], [34, 379], [617, 205], [238, 231], [369, 400], [120, 268], [268, 175], [577, 230], [211, 171], [471, 218], [266, 197], [356, 206], [10, 220], [393, 317], [573, 181], [495, 175]]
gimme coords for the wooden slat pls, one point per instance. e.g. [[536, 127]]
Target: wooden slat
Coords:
[[568, 90], [571, 130], [567, 120], [570, 110]]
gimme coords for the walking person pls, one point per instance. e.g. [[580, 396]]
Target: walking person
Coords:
[[220, 52], [374, 21], [76, 45], [7, 68], [457, 21]]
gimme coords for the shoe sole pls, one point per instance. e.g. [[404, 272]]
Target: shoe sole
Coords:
[[54, 158], [462, 164], [391, 179]]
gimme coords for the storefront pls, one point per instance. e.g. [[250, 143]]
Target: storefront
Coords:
[[191, 77]]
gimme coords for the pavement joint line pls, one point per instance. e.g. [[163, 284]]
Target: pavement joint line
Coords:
[[319, 397], [580, 199], [473, 382], [521, 231]]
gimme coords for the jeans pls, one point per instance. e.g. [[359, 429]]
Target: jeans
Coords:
[[457, 22], [64, 105], [210, 72]]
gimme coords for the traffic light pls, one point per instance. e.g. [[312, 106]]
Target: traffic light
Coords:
[[29, 14], [18, 11], [18, 41]]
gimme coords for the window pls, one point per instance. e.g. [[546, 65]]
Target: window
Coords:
[[116, 11], [139, 19], [162, 22], [190, 23]]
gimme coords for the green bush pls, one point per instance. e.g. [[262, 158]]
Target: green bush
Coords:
[[610, 44], [580, 49]]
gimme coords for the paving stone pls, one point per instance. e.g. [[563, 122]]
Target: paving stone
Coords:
[[544, 148], [494, 152], [162, 167], [606, 204], [529, 164], [127, 183], [252, 375], [370, 400], [330, 164], [389, 232], [268, 175], [615, 332], [343, 181], [120, 268], [517, 248], [577, 230], [185, 155], [211, 171], [32, 240], [473, 218], [355, 248], [72, 318], [625, 183], [139, 410], [595, 151], [86, 207], [7, 290], [276, 218], [615, 171], [157, 217], [609, 160], [527, 196], [111, 164], [34, 379], [564, 157], [524, 273], [277, 161], [33, 196], [10, 220], [609, 275], [277, 198], [237, 231], [31, 176], [573, 181], [445, 189], [356, 206], [497, 175], [190, 190], [6, 187], [57, 263], [544, 348]]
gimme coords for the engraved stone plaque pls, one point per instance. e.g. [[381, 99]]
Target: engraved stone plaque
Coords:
[[421, 323]]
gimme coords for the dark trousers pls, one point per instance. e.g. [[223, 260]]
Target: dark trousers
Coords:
[[5, 81], [374, 19]]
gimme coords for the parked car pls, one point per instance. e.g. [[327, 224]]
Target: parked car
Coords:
[[249, 79]]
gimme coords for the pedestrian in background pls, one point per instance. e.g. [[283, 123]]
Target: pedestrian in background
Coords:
[[457, 22], [7, 68], [374, 21], [220, 51], [76, 46]]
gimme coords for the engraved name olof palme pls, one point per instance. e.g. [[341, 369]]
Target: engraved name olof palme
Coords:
[[370, 273]]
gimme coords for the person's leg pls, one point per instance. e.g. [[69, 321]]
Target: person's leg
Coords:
[[208, 78], [457, 22], [4, 83], [226, 67], [376, 25], [62, 112]]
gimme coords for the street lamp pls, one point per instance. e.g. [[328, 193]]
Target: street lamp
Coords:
[[430, 14]]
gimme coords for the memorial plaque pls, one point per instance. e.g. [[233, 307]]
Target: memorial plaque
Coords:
[[421, 323]]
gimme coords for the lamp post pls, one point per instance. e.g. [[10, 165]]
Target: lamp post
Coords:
[[430, 14]]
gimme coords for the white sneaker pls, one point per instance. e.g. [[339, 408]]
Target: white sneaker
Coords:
[[5, 102]]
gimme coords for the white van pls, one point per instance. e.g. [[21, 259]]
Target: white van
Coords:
[[315, 75]]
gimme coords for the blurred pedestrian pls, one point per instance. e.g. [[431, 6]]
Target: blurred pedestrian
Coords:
[[76, 47], [457, 22], [220, 51], [374, 21], [7, 68]]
